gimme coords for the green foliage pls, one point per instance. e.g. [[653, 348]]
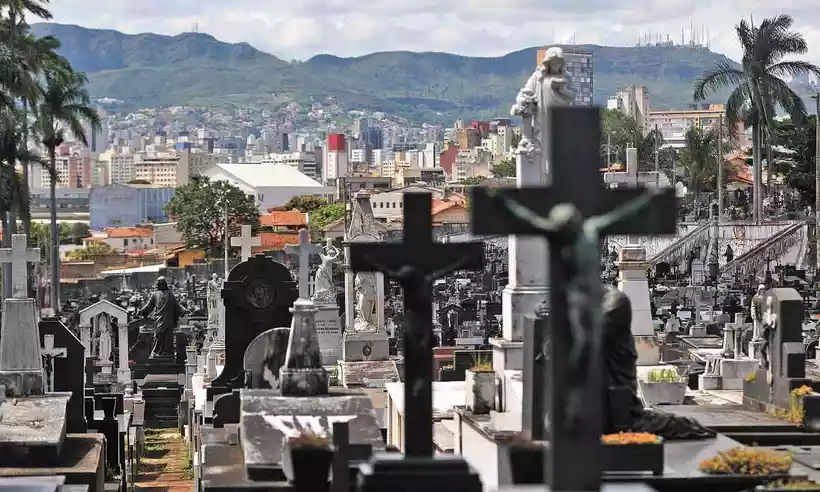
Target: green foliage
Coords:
[[664, 376], [473, 181], [79, 231], [699, 159], [323, 216], [504, 169], [139, 182], [797, 163], [198, 208], [516, 138], [195, 69], [305, 204], [90, 251], [41, 234]]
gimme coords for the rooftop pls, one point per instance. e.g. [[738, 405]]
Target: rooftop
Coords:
[[118, 232], [267, 175], [292, 218]]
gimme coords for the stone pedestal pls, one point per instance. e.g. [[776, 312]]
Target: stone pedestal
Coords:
[[21, 366], [632, 266], [698, 330], [303, 374], [329, 331], [709, 382], [755, 346], [734, 371], [365, 346]]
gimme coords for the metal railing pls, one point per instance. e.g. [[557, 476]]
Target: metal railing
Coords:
[[676, 252], [756, 258]]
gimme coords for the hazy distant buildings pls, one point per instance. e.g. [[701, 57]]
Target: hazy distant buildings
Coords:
[[633, 102]]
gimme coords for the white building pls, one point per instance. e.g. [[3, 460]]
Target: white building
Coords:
[[633, 102], [272, 184], [304, 162]]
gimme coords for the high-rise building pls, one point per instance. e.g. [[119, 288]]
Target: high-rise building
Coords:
[[633, 102], [579, 68], [335, 162]]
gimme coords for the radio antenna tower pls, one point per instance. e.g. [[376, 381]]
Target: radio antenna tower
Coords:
[[196, 27]]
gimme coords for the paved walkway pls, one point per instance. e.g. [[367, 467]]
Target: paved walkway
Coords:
[[164, 466]]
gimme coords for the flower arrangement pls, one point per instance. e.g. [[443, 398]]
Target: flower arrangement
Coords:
[[747, 461], [448, 367], [308, 439], [482, 367], [630, 438], [791, 485], [132, 363], [751, 377], [664, 376], [795, 413]]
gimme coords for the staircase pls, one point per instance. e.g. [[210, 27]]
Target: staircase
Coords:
[[789, 245], [162, 392]]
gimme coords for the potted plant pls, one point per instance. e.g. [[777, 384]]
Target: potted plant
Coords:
[[480, 392], [310, 457], [632, 452], [748, 461], [663, 387], [526, 461], [796, 484], [447, 373]]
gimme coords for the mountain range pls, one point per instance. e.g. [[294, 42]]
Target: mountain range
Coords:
[[149, 70]]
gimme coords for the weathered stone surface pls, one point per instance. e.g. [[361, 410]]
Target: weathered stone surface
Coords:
[[368, 373], [329, 331], [68, 371], [303, 374], [265, 356], [365, 346], [37, 423], [21, 367], [267, 420]]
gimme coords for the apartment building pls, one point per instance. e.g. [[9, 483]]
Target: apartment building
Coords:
[[579, 68], [673, 124], [305, 162], [73, 170], [163, 169], [471, 163], [633, 102]]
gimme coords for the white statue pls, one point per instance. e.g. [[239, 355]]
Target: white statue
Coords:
[[365, 285], [323, 287], [214, 286], [757, 312], [548, 86]]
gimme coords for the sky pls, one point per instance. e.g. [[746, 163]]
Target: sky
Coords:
[[299, 29]]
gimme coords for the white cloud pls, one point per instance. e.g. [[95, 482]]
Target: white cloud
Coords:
[[303, 28]]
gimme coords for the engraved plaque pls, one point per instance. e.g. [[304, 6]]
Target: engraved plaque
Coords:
[[260, 295]]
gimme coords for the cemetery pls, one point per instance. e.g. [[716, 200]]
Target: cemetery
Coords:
[[582, 337]]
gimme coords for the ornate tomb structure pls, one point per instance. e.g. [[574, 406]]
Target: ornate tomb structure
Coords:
[[98, 323]]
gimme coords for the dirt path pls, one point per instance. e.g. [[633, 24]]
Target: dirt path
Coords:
[[164, 466]]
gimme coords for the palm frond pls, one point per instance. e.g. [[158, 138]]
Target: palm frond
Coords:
[[720, 77], [793, 68]]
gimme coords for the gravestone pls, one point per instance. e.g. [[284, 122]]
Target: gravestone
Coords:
[[265, 356], [258, 296], [91, 318], [68, 371], [784, 366]]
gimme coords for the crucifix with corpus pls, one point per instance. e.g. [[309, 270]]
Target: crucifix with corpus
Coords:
[[247, 241], [50, 352], [573, 214]]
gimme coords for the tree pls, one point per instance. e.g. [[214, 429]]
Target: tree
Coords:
[[323, 216], [699, 159], [90, 251], [620, 132], [63, 105], [757, 85], [305, 203], [797, 163], [473, 180], [198, 208], [504, 169], [79, 231]]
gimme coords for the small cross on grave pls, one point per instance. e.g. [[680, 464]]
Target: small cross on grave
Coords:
[[572, 214], [19, 255], [303, 250], [49, 354], [631, 178], [247, 241], [416, 263]]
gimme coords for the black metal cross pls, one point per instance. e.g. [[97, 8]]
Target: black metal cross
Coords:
[[415, 263], [573, 462]]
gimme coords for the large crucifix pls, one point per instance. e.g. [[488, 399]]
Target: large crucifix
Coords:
[[50, 352], [303, 250], [415, 263], [247, 241], [19, 255], [572, 214]]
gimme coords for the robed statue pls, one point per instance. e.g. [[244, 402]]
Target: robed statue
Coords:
[[323, 287], [365, 285], [164, 310]]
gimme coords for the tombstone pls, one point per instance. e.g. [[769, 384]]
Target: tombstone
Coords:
[[265, 356], [93, 322], [68, 371], [247, 241], [258, 296], [784, 363], [632, 281]]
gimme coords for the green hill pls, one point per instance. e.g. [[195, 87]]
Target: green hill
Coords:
[[192, 68]]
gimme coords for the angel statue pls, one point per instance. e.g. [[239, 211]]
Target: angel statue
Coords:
[[547, 86], [324, 288], [365, 284]]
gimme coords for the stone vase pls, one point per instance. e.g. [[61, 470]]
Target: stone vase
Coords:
[[662, 393], [480, 392]]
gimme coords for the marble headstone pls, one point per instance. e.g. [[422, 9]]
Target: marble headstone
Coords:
[[265, 356]]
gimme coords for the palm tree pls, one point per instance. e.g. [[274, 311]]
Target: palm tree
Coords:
[[13, 193], [699, 159], [757, 86], [64, 106]]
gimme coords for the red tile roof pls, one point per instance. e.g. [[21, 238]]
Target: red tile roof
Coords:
[[276, 241], [292, 218], [124, 232]]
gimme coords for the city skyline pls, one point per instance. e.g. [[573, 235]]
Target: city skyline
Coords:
[[475, 27]]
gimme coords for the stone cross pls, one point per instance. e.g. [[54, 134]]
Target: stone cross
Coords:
[[49, 354], [415, 263], [247, 241], [572, 382], [304, 250], [19, 255]]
